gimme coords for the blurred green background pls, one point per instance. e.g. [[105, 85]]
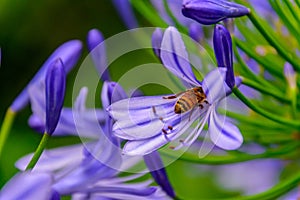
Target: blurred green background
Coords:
[[30, 31]]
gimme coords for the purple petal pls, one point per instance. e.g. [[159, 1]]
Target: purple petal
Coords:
[[214, 86], [111, 92], [28, 185], [122, 192], [146, 146], [55, 93], [223, 51], [175, 57], [36, 123], [139, 117], [87, 121], [196, 32], [96, 46], [223, 133], [125, 11], [209, 12], [157, 37], [54, 159], [68, 52], [158, 172]]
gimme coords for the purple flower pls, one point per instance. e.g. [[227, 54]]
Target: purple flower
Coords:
[[29, 185], [150, 122], [68, 52], [55, 93], [223, 51], [87, 170], [209, 12]]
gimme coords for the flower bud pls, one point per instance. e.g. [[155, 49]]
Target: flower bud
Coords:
[[223, 51], [98, 53], [55, 92], [290, 75], [209, 12]]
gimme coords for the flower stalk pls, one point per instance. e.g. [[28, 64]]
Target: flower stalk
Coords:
[[287, 122], [6, 126]]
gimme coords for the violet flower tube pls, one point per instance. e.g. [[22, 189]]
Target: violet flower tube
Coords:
[[223, 51], [55, 93], [209, 12]]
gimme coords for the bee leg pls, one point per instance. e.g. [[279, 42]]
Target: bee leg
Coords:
[[155, 113], [173, 96], [192, 112]]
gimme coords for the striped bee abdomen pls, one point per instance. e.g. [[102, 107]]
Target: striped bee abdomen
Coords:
[[189, 100]]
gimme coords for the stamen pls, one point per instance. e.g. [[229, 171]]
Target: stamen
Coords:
[[164, 131], [170, 128]]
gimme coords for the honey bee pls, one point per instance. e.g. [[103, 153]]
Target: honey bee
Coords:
[[189, 100]]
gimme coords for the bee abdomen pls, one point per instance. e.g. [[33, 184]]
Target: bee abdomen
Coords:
[[183, 105]]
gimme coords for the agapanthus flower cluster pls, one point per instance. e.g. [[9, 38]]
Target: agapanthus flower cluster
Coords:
[[241, 106]]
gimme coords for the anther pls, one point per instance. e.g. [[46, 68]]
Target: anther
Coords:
[[164, 131]]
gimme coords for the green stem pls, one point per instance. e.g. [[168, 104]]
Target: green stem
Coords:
[[265, 90], [246, 69], [233, 157], [6, 126], [38, 152], [272, 41], [286, 17], [253, 121], [287, 122], [293, 10], [275, 68], [281, 188], [176, 22], [298, 3], [146, 9]]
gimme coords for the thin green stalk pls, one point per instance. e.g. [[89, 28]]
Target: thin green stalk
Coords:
[[146, 9], [38, 152], [265, 90], [176, 22], [272, 41], [233, 157], [253, 121], [6, 126], [275, 118], [275, 68], [246, 69], [298, 3], [286, 18], [293, 10], [281, 188]]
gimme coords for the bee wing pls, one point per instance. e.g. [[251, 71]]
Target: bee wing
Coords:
[[140, 117], [175, 57]]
